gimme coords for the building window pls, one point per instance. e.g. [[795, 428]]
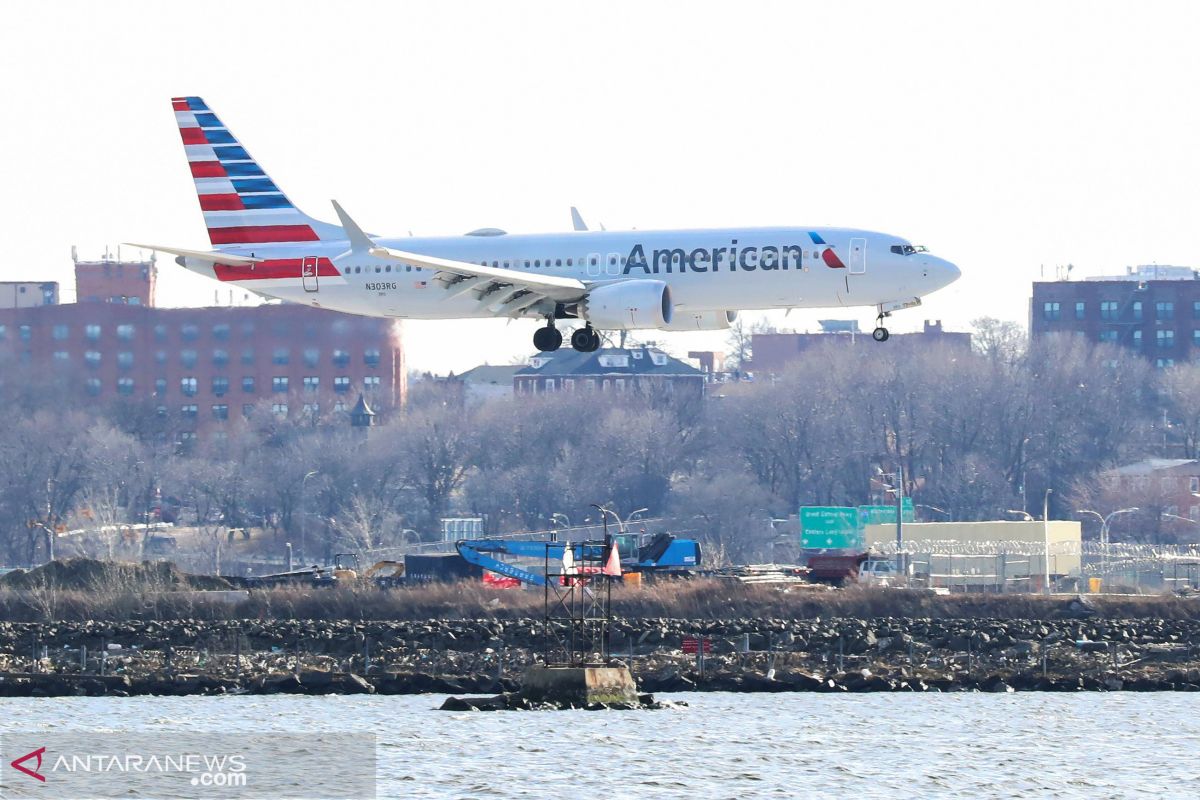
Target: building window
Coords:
[[1080, 310], [371, 382], [1196, 309], [93, 386], [125, 333], [248, 385], [1164, 310], [311, 383], [1163, 363], [279, 384], [371, 357], [160, 387], [311, 356], [125, 386], [92, 332], [220, 386], [1137, 309], [160, 333], [189, 410], [61, 332], [341, 358], [279, 409], [220, 411], [62, 355], [1108, 336], [1109, 310], [1137, 338], [3, 332], [125, 359], [1165, 338], [25, 333], [221, 332], [280, 356], [247, 329], [160, 356], [247, 409], [1193, 484], [92, 358], [189, 332], [312, 410], [187, 386], [248, 356], [188, 358], [1052, 311], [339, 406], [220, 357], [341, 384]]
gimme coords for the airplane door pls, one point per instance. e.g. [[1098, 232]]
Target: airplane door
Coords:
[[858, 257], [308, 273]]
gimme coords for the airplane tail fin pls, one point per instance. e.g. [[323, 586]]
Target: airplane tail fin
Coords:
[[241, 204]]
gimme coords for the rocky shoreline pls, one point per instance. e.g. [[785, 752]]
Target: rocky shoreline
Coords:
[[487, 656]]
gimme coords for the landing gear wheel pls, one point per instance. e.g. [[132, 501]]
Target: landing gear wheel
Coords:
[[585, 339], [880, 334], [547, 339]]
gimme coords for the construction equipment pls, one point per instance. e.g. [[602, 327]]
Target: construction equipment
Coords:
[[663, 554], [385, 574]]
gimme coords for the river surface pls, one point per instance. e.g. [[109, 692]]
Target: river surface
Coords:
[[1085, 745]]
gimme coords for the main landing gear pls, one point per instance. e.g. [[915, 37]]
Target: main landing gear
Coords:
[[880, 334], [547, 339], [585, 339]]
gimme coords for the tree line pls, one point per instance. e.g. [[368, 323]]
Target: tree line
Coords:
[[977, 434]]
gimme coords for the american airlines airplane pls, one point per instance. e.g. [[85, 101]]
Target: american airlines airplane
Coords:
[[671, 280]]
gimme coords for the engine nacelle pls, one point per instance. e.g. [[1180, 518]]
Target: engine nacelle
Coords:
[[701, 321], [629, 305]]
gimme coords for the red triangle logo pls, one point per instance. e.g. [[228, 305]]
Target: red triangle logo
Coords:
[[19, 764]]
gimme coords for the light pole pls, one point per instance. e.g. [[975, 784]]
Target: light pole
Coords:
[[949, 516], [1028, 517], [303, 523], [1183, 519], [1046, 534]]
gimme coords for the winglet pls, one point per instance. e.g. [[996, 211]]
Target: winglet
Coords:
[[359, 241], [577, 221]]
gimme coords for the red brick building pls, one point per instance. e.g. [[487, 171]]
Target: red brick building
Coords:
[[774, 352], [201, 367]]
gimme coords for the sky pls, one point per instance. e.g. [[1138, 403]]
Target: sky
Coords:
[[1010, 138]]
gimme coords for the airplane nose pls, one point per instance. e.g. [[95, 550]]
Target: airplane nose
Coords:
[[943, 272]]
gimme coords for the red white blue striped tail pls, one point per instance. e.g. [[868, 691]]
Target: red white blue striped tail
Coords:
[[241, 204]]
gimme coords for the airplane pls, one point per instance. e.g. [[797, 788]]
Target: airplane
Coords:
[[671, 280]]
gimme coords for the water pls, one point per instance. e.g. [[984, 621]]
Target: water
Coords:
[[1083, 745]]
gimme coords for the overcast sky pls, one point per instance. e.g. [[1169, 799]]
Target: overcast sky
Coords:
[[1003, 136]]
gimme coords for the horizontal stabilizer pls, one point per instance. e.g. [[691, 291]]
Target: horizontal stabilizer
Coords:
[[206, 256]]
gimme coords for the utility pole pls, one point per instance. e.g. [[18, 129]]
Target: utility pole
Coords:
[[1046, 534]]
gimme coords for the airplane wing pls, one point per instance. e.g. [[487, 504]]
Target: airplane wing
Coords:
[[210, 257], [504, 291]]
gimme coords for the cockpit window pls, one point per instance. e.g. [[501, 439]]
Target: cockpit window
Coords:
[[908, 249]]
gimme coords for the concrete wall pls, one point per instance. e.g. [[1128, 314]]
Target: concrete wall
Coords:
[[991, 537]]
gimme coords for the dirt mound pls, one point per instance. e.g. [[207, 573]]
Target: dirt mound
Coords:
[[88, 574]]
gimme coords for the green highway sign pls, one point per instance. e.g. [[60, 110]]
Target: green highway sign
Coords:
[[830, 527], [884, 515]]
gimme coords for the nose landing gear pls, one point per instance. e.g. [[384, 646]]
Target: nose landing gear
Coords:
[[880, 334]]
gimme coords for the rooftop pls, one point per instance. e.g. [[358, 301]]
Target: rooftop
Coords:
[[608, 361]]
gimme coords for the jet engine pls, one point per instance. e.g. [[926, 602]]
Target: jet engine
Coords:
[[701, 321], [629, 305]]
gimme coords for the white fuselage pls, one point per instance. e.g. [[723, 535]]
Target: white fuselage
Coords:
[[706, 270]]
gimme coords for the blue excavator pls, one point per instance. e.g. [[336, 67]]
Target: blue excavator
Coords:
[[662, 555]]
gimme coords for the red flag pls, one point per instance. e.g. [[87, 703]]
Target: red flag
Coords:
[[613, 565]]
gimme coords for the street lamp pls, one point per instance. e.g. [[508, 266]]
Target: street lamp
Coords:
[[1028, 517], [1046, 534], [303, 524], [1105, 520], [1176, 516], [949, 516]]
